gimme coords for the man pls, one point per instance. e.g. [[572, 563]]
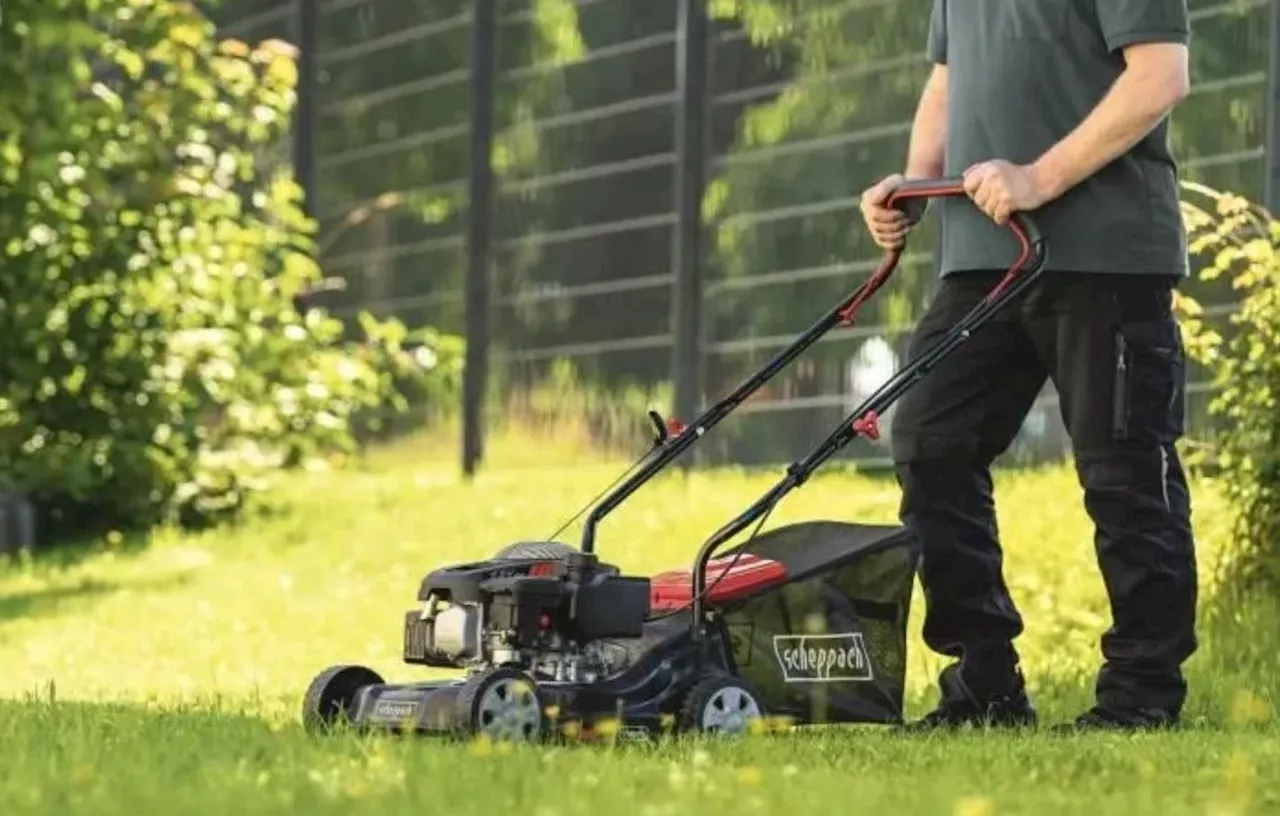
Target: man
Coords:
[[1056, 108]]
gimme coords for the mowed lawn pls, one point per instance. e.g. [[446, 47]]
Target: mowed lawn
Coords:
[[167, 679]]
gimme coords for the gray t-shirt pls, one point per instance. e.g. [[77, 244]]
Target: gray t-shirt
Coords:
[[1022, 75]]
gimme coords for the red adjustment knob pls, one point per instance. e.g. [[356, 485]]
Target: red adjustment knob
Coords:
[[675, 427], [868, 425]]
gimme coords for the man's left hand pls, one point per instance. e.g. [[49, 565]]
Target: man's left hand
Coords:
[[1001, 188]]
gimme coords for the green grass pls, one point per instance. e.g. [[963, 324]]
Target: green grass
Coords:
[[166, 678]]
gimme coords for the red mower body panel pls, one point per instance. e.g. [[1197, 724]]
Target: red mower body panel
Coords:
[[726, 580]]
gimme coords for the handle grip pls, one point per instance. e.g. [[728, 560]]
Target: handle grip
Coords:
[[912, 196]]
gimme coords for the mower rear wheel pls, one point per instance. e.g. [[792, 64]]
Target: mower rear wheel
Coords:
[[331, 696], [546, 550], [503, 705], [721, 704]]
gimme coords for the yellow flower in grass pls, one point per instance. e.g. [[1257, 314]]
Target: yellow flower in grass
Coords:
[[749, 776], [676, 776], [770, 725], [1248, 708], [1239, 777], [607, 728], [974, 806], [482, 746]]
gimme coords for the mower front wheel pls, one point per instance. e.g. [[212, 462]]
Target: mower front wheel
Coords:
[[721, 704], [502, 704], [331, 696]]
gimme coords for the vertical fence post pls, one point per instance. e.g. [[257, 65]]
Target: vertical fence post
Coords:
[[692, 70], [1271, 182], [307, 20], [479, 232]]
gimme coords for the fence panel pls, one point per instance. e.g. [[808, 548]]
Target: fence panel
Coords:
[[586, 210], [808, 102], [391, 155]]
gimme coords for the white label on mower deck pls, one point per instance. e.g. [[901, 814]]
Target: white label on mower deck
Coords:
[[840, 658], [394, 709]]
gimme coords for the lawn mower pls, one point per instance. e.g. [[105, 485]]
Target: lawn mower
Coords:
[[804, 624]]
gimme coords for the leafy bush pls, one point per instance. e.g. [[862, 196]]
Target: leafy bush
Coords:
[[1241, 246], [423, 377], [153, 364]]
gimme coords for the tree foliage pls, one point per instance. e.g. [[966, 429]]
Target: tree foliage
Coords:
[[154, 364]]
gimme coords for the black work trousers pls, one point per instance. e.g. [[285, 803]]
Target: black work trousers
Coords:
[[1113, 350]]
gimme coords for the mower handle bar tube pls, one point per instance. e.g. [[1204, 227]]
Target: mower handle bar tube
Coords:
[[1020, 276], [841, 313]]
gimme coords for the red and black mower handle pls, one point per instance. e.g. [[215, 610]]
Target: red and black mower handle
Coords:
[[864, 420], [675, 438], [913, 196]]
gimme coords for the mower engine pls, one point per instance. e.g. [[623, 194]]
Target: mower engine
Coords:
[[552, 618]]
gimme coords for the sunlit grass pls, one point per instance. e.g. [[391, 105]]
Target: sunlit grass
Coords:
[[206, 642]]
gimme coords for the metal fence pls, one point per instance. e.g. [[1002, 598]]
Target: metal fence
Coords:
[[670, 195]]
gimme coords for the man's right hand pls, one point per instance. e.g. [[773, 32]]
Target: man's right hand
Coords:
[[888, 225]]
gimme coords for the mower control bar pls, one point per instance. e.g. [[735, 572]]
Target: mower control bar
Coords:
[[911, 197]]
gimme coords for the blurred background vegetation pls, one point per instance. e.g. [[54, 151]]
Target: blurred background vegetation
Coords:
[[177, 322], [809, 102]]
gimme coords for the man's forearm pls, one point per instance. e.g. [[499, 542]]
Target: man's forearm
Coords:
[[1143, 95], [926, 151]]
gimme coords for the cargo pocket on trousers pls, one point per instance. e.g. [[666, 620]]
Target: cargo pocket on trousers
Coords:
[[1148, 385]]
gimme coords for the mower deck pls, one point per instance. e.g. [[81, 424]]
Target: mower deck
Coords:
[[647, 696]]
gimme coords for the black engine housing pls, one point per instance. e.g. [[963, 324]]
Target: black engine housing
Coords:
[[575, 598]]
